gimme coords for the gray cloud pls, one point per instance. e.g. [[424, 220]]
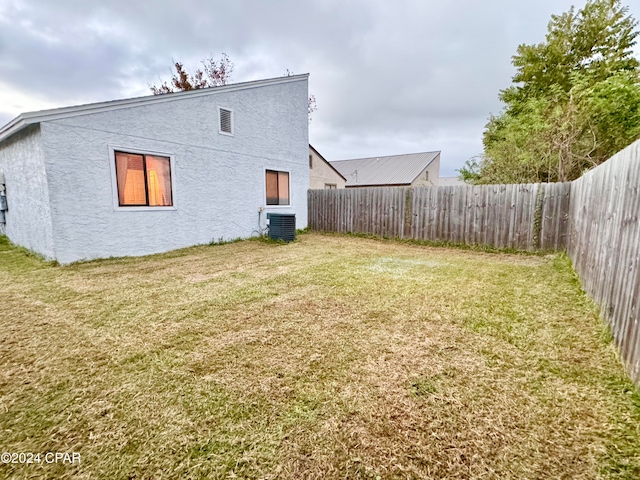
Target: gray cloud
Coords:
[[389, 77]]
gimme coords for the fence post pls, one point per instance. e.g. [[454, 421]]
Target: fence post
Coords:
[[537, 217], [408, 213]]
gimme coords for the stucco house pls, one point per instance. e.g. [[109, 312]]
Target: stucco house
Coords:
[[413, 169], [152, 174], [322, 175]]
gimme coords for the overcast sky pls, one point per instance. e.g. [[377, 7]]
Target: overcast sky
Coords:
[[390, 77]]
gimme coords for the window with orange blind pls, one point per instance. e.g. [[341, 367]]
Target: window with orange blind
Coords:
[[277, 187], [143, 180]]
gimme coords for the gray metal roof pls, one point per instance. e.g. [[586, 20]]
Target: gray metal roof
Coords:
[[25, 119], [390, 170]]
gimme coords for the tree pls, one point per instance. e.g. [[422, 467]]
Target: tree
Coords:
[[215, 73], [574, 103]]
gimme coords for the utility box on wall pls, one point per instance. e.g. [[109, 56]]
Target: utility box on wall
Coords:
[[282, 226]]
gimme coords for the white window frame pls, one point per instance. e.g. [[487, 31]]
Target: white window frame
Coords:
[[233, 121], [114, 178], [264, 187]]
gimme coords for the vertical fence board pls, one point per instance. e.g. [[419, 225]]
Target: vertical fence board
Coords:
[[603, 242]]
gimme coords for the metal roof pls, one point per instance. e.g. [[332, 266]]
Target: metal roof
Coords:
[[390, 170], [25, 119]]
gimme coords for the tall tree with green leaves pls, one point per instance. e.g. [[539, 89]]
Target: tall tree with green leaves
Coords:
[[575, 100]]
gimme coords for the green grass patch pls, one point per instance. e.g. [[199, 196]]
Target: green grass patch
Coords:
[[332, 356]]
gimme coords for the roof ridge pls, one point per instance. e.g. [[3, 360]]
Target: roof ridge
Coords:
[[29, 118], [386, 156]]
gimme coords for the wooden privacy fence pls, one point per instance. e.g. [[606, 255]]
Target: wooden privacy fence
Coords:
[[604, 246], [595, 219], [528, 217]]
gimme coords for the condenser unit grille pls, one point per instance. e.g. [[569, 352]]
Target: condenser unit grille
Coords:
[[282, 226]]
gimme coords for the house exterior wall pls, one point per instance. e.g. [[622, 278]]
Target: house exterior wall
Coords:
[[322, 173], [434, 172], [218, 180], [28, 219]]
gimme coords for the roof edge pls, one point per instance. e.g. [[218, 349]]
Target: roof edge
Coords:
[[327, 162], [29, 118], [368, 185], [386, 156]]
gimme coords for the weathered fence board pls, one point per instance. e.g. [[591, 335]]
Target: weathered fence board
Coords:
[[604, 245], [495, 215]]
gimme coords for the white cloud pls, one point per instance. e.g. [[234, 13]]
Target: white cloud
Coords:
[[389, 77], [14, 102]]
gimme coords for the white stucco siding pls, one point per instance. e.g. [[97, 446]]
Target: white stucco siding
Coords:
[[28, 220], [268, 120], [218, 181]]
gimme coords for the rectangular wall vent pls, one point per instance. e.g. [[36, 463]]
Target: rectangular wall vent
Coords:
[[226, 121]]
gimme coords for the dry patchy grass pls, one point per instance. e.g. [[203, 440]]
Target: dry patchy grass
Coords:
[[331, 357]]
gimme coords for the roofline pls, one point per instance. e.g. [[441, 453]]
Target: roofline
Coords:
[[327, 162], [29, 118], [387, 156], [368, 185], [438, 152]]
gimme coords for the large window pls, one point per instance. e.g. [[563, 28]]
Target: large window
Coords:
[[277, 188], [143, 180]]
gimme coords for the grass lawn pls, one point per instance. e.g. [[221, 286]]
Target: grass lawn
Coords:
[[331, 357]]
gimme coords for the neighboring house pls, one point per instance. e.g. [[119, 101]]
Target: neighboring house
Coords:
[[413, 169], [450, 181], [322, 175], [152, 174]]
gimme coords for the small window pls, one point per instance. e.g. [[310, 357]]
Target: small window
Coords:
[[277, 187], [310, 161], [226, 121], [143, 180], [426, 175], [329, 186]]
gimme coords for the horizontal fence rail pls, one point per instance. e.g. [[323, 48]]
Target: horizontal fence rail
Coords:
[[527, 217], [594, 218]]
